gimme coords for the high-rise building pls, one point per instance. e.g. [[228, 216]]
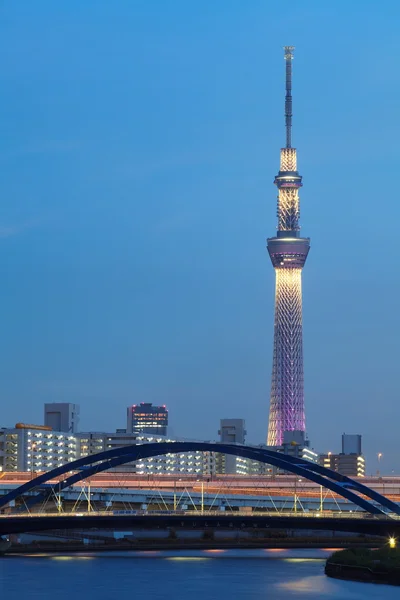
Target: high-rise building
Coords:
[[232, 431], [146, 418], [288, 252], [350, 461], [351, 465], [62, 416]]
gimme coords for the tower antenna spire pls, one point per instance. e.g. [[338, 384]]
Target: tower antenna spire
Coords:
[[288, 98]]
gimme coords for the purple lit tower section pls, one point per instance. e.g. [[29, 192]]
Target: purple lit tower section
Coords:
[[288, 252]]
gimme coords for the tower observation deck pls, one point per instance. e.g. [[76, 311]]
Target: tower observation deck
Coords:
[[288, 252]]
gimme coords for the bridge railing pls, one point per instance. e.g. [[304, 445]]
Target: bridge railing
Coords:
[[208, 513]]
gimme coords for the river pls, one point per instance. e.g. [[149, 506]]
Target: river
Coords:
[[197, 575]]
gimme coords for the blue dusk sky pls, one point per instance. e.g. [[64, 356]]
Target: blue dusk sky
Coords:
[[139, 140]]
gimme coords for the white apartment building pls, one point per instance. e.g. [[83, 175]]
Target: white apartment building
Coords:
[[187, 463], [35, 448]]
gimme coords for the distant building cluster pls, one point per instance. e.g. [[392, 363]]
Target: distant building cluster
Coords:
[[39, 448]]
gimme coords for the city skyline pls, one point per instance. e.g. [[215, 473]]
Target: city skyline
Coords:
[[135, 160]]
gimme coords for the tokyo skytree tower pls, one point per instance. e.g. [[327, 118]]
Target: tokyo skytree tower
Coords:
[[288, 252]]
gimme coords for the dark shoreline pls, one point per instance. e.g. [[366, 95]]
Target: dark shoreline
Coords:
[[39, 548], [373, 565], [363, 574]]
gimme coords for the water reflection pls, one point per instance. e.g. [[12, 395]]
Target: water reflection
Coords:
[[302, 560], [186, 558], [318, 584]]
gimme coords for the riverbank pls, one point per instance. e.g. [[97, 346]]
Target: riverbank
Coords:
[[179, 544], [381, 565]]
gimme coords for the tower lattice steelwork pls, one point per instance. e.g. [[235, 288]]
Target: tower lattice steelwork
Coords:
[[288, 252]]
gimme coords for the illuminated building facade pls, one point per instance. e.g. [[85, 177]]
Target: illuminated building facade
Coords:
[[351, 465], [350, 461], [146, 418], [186, 463], [35, 448], [288, 252]]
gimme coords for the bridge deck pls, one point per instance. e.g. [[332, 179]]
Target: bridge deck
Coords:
[[367, 525]]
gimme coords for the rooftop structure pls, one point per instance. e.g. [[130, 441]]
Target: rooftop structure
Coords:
[[62, 416], [351, 443]]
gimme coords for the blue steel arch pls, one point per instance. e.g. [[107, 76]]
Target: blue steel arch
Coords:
[[96, 463]]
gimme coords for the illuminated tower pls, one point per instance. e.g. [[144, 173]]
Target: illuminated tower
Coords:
[[288, 252]]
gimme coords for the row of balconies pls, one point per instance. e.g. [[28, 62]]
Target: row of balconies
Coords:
[[53, 436]]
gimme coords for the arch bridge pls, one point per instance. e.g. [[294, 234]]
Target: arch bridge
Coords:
[[359, 494]]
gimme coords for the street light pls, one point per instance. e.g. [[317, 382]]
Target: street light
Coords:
[[379, 462], [33, 448], [295, 494]]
